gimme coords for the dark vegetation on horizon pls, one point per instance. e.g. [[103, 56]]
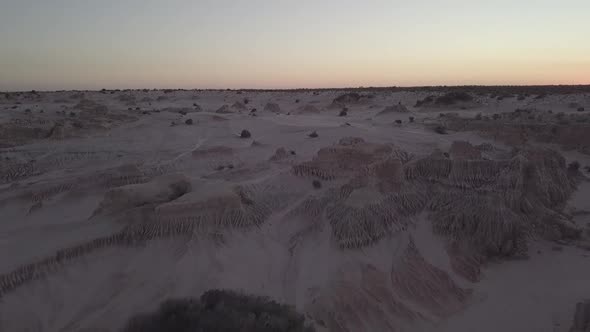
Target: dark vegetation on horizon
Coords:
[[475, 89]]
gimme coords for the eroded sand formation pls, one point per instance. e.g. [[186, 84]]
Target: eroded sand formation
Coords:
[[364, 227]]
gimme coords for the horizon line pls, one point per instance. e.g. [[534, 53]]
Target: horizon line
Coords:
[[392, 87]]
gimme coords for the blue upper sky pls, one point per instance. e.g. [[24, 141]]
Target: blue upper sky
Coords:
[[61, 44]]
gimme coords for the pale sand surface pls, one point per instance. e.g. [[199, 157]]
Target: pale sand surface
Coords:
[[284, 257]]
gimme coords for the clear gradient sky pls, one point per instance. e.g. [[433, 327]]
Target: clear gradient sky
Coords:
[[83, 44]]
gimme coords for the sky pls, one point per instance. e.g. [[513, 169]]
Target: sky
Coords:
[[83, 44]]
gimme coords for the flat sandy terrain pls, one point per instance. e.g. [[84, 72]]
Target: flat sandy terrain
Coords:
[[367, 211]]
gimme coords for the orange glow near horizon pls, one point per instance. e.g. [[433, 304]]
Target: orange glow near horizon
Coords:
[[269, 44]]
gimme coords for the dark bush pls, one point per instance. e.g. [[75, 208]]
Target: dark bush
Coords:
[[313, 135], [217, 311], [343, 113], [245, 134], [496, 116], [441, 130], [453, 97], [411, 119], [398, 121], [581, 109], [188, 121], [351, 97], [316, 184], [246, 101]]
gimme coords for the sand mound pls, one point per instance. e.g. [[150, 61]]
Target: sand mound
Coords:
[[464, 150], [280, 154], [351, 98], [127, 99], [225, 109], [91, 107], [346, 158], [159, 190], [272, 107], [238, 106], [450, 99], [307, 109], [518, 127], [394, 109]]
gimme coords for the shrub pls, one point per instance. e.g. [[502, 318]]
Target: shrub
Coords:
[[316, 184], [398, 121], [453, 97], [581, 109], [246, 101], [220, 310], [313, 135], [343, 113], [496, 116], [411, 119], [441, 130], [245, 134], [189, 121]]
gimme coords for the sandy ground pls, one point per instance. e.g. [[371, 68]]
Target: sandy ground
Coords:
[[103, 288]]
